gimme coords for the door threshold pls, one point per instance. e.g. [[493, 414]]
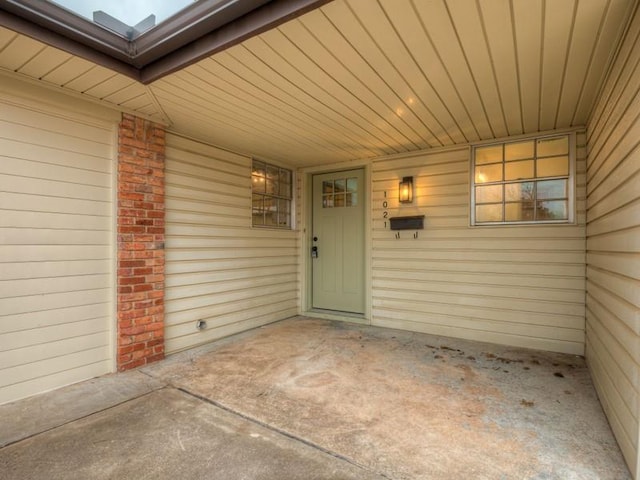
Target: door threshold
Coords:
[[337, 315]]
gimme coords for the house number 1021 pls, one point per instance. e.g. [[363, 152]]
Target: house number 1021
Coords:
[[385, 204]]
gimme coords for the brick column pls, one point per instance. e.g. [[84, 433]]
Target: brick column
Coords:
[[141, 149]]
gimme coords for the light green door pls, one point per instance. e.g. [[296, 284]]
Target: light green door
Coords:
[[338, 241]]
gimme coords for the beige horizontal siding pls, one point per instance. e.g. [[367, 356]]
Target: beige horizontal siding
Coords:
[[56, 247], [514, 285], [220, 269], [613, 247]]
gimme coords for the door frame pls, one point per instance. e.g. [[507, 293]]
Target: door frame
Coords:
[[306, 229]]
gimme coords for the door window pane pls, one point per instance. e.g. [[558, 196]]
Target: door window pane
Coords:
[[340, 185]]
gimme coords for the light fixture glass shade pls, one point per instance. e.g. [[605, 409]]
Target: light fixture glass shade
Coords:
[[405, 190]]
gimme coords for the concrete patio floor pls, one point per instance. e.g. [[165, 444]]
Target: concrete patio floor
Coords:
[[314, 399]]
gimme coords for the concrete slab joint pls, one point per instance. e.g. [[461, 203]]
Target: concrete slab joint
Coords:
[[141, 237]]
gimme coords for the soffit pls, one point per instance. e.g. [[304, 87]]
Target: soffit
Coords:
[[362, 78]]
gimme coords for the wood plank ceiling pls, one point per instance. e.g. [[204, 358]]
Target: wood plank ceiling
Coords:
[[363, 78]]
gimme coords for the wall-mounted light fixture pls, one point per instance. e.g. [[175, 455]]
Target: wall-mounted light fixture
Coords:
[[405, 190]]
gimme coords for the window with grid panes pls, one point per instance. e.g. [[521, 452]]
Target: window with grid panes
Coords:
[[271, 188], [525, 181]]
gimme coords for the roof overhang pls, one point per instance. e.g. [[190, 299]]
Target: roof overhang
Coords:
[[200, 30]]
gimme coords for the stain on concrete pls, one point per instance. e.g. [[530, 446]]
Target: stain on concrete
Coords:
[[409, 405]]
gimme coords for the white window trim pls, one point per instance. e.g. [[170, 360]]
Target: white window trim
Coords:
[[571, 181]]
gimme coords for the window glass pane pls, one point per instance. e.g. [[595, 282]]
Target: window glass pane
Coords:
[[258, 173], [553, 146], [489, 213], [285, 176], [551, 189], [283, 212], [516, 192], [352, 185], [273, 173], [518, 170], [327, 201], [491, 154], [352, 199], [271, 211], [273, 179], [340, 185], [327, 186], [489, 194], [553, 167], [518, 212], [285, 190], [257, 210], [339, 200], [552, 210], [518, 151], [489, 173]]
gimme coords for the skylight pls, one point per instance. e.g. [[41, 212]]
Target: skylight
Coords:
[[139, 15], [147, 39]]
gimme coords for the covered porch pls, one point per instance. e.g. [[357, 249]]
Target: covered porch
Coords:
[[310, 398]]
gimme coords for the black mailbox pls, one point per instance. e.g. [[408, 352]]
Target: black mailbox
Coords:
[[414, 222]]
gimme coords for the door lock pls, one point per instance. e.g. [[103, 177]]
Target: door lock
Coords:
[[314, 252]]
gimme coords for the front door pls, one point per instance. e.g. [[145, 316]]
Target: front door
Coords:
[[338, 241]]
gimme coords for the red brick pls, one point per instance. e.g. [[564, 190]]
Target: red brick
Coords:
[[133, 330], [125, 349], [130, 280], [131, 297], [156, 357], [128, 365], [132, 263], [124, 358], [155, 310], [154, 327], [142, 288]]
